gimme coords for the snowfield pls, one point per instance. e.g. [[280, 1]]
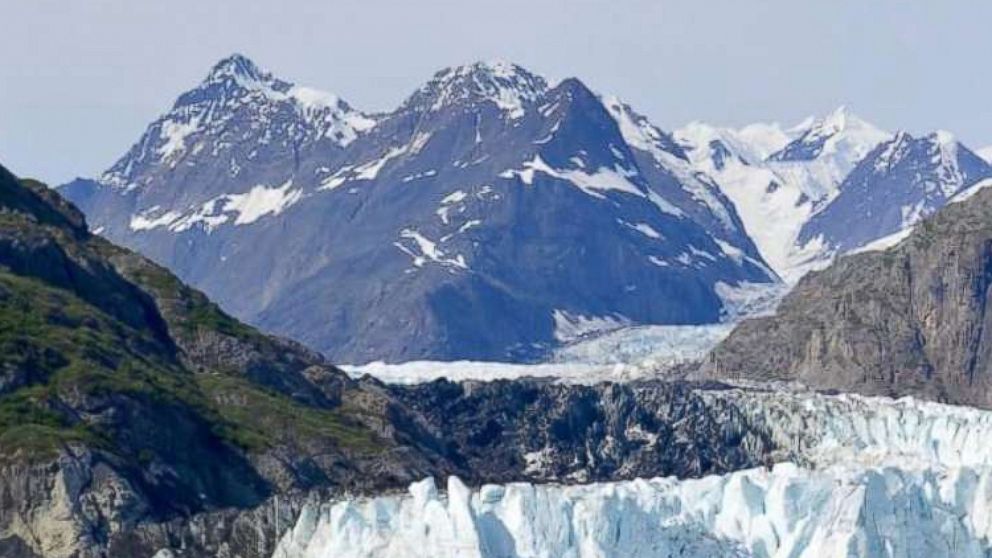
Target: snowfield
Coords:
[[625, 354], [878, 478], [603, 348]]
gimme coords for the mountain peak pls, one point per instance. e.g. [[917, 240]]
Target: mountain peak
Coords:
[[838, 117], [943, 137], [238, 99], [840, 132], [493, 69], [509, 86], [841, 120], [238, 67]]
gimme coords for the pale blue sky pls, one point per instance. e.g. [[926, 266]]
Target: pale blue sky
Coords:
[[80, 79]]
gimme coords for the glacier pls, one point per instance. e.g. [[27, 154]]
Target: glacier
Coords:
[[785, 511], [860, 477], [601, 349]]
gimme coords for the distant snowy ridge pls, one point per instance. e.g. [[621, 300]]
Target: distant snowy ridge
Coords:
[[881, 478], [487, 186], [830, 185], [778, 178]]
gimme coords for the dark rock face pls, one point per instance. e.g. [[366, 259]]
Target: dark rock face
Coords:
[[912, 320], [458, 226]]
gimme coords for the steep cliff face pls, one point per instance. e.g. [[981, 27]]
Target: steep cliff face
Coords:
[[913, 319]]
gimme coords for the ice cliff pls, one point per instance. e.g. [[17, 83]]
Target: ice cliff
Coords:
[[868, 477]]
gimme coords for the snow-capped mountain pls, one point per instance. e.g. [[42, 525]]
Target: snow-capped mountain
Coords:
[[212, 157], [897, 184], [492, 215], [796, 189]]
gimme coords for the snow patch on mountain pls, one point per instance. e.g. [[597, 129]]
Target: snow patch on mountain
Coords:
[[260, 201], [985, 153], [152, 218], [570, 326], [885, 242], [602, 180], [424, 250], [971, 190], [246, 208], [643, 228], [174, 136], [337, 119]]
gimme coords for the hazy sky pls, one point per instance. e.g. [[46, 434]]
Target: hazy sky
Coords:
[[80, 79]]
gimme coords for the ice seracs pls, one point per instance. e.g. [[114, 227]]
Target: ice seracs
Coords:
[[867, 477], [784, 512]]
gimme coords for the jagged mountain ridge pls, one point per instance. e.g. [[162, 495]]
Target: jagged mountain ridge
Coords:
[[826, 187], [493, 213], [898, 183]]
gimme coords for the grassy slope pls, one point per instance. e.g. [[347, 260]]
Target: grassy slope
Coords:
[[58, 349]]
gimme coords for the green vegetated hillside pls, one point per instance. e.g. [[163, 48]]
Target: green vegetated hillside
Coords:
[[132, 397]]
